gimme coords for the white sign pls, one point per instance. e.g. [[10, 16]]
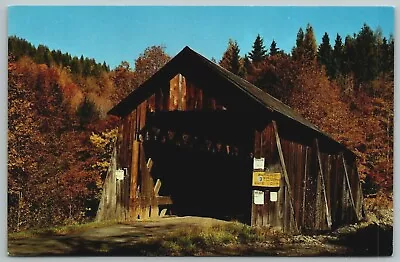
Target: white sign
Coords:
[[273, 196], [258, 163], [119, 174], [258, 197]]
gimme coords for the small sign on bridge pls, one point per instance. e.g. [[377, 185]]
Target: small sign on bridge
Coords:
[[264, 179]]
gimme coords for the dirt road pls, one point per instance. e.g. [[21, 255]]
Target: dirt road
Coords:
[[131, 239]]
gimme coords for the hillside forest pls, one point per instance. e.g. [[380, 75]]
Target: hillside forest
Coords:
[[60, 136]]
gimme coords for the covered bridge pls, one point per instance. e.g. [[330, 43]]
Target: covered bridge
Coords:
[[195, 139]]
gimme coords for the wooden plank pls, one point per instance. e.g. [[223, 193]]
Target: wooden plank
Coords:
[[164, 200], [118, 208], [154, 210], [146, 184], [266, 208], [328, 214], [349, 186], [166, 97], [134, 176], [304, 188], [157, 187], [163, 212], [143, 112], [328, 183], [159, 100], [286, 177], [190, 96]]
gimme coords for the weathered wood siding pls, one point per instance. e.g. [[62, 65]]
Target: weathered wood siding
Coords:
[[321, 194], [321, 191]]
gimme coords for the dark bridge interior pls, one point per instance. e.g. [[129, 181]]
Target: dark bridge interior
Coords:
[[205, 173]]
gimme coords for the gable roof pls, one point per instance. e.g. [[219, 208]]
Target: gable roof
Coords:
[[188, 61]]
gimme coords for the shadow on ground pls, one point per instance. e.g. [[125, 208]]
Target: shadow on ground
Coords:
[[372, 240], [145, 239]]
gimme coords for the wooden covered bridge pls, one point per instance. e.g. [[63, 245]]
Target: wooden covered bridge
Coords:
[[195, 139]]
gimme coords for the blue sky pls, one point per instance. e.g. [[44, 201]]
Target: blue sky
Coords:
[[114, 34]]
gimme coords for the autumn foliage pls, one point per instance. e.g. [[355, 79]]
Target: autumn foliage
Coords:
[[60, 138]]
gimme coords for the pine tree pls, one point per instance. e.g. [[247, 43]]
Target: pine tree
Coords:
[[258, 53], [349, 55], [231, 59], [273, 50], [298, 50], [366, 62], [391, 55], [337, 56], [247, 66], [310, 44], [324, 55]]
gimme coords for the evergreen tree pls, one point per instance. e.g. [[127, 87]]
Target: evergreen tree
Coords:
[[86, 112], [366, 62], [310, 44], [324, 55], [349, 55], [247, 64], [337, 56], [258, 53], [298, 50], [391, 55], [273, 50], [231, 59]]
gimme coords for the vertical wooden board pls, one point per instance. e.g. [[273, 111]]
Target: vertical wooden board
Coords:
[[333, 187], [118, 200], [359, 198], [304, 191], [257, 144], [299, 179], [173, 93], [272, 213], [328, 177], [166, 96], [328, 170], [183, 93], [286, 212], [253, 210], [143, 112], [120, 143], [158, 100], [281, 203], [348, 174], [151, 103], [190, 96], [312, 192], [266, 208], [125, 140], [344, 199], [285, 174], [340, 190], [134, 178], [198, 98], [296, 153]]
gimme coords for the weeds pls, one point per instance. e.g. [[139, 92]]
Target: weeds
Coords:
[[201, 240]]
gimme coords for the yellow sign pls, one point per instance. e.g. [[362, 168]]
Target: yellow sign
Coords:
[[264, 179]]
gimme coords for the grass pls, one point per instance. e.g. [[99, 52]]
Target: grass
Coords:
[[202, 240], [58, 230]]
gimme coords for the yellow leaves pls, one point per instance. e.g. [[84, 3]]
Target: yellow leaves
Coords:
[[104, 138]]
